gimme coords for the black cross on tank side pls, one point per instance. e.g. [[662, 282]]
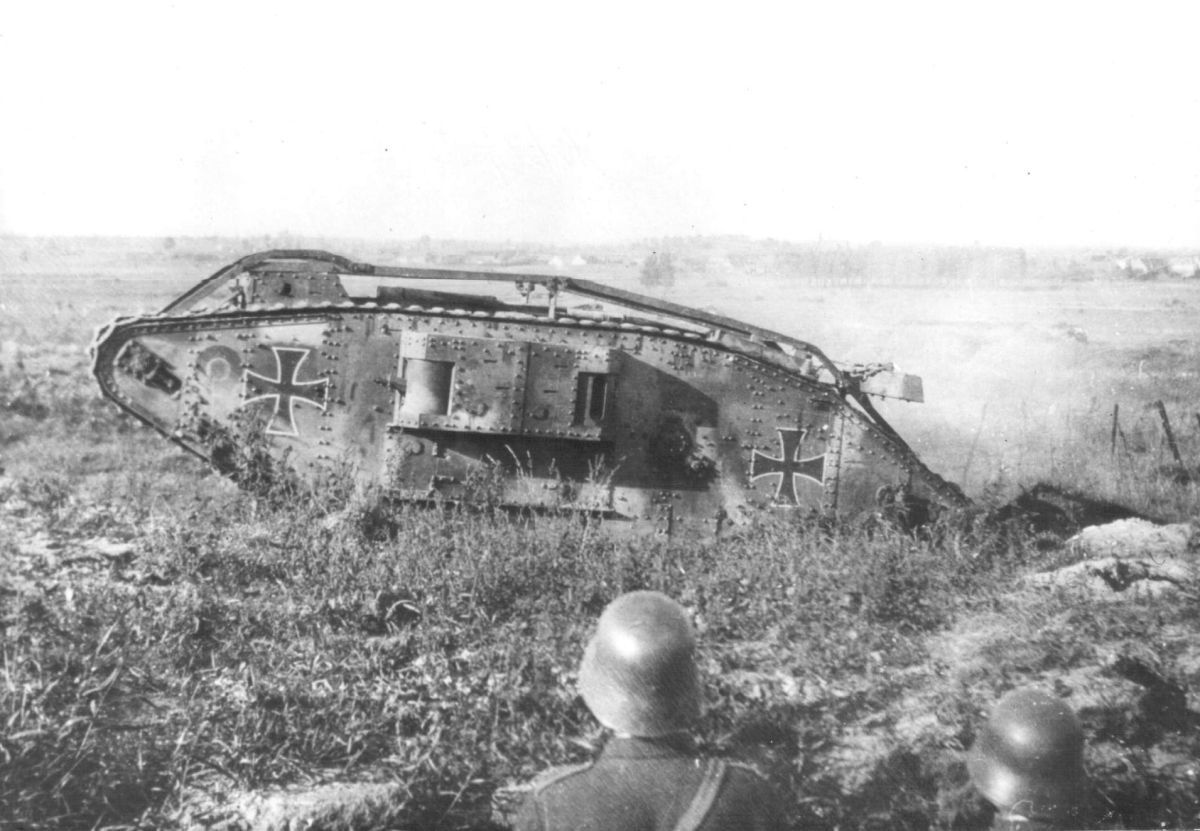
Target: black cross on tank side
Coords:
[[788, 466], [286, 389]]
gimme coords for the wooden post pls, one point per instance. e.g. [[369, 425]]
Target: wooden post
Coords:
[[1162, 411], [1115, 427]]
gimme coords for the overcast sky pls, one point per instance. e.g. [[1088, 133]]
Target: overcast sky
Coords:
[[1003, 123]]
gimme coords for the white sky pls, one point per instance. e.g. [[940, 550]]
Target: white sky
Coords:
[[1006, 123]]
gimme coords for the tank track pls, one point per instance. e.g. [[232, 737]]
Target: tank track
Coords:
[[111, 338]]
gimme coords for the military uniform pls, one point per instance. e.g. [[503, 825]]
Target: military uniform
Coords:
[[652, 784], [639, 679]]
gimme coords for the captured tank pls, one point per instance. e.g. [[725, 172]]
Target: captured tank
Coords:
[[567, 396]]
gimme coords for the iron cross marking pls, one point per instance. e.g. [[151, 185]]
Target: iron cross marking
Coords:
[[788, 466], [285, 389]]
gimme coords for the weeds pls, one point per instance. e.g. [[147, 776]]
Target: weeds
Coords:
[[265, 636], [79, 747]]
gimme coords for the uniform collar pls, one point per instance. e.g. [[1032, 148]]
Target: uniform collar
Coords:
[[635, 747]]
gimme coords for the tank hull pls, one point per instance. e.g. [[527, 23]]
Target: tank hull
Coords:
[[661, 427]]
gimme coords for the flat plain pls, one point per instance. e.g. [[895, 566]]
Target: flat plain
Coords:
[[173, 644]]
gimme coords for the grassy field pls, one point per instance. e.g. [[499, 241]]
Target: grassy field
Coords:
[[167, 635]]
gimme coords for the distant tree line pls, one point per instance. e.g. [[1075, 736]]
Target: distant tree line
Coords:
[[837, 263]]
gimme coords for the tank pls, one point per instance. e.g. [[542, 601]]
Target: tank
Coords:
[[560, 394]]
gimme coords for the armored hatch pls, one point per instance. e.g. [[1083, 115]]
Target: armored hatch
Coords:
[[623, 406]]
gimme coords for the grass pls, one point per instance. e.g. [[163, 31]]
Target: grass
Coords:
[[242, 646], [167, 634], [259, 637]]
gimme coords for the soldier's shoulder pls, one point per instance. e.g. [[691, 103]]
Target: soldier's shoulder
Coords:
[[556, 775], [747, 782], [746, 800]]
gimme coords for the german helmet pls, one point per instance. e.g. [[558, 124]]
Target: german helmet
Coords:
[[639, 673], [1028, 758]]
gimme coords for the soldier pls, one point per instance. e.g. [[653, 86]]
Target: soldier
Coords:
[[1028, 762], [639, 679]]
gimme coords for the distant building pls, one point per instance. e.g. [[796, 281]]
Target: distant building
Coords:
[[1184, 266], [1143, 268]]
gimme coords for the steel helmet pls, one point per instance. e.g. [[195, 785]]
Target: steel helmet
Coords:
[[1028, 758], [639, 670]]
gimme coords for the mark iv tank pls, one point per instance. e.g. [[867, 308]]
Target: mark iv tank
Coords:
[[621, 406]]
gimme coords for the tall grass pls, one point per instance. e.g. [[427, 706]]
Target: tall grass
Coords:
[[245, 645]]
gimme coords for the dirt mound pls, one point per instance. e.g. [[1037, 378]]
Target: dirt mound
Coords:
[[1137, 537], [1061, 512]]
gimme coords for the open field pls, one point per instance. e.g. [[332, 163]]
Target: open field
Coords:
[[171, 642]]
